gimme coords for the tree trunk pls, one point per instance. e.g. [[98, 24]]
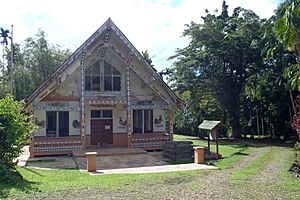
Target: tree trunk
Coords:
[[292, 101], [257, 122], [297, 51], [235, 125], [235, 118], [233, 105], [262, 122]]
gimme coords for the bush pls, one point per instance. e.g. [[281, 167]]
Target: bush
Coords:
[[296, 119], [8, 173], [15, 127]]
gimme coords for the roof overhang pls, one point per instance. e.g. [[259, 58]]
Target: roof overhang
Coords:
[[85, 47]]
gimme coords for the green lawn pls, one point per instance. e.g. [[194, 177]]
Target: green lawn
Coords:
[[231, 151], [242, 163], [48, 181], [254, 167]]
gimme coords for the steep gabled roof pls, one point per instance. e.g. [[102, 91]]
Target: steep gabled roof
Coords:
[[108, 24]]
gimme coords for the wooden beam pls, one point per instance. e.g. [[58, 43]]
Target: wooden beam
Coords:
[[171, 123], [128, 101], [82, 103], [105, 43], [61, 98]]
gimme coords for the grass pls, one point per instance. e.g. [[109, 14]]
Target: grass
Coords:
[[230, 161], [288, 179], [48, 181], [57, 183], [253, 168], [230, 150], [226, 148]]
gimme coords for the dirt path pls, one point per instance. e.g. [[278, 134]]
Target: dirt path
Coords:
[[222, 176], [216, 184], [270, 172]]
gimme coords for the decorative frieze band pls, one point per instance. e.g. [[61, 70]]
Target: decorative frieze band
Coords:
[[148, 144], [106, 102], [151, 139], [56, 148], [56, 142], [57, 108]]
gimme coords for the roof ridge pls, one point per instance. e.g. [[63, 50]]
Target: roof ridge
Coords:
[[85, 45]]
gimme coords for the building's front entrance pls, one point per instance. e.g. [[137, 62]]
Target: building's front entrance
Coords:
[[101, 131]]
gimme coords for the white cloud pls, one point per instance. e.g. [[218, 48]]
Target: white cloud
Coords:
[[148, 24]]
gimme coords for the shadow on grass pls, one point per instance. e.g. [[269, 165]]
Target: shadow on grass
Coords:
[[21, 185], [240, 143], [32, 171], [241, 154], [238, 153]]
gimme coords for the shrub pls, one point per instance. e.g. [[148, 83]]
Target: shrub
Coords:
[[8, 173], [15, 126], [296, 119]]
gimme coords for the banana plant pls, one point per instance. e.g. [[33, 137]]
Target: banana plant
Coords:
[[287, 29]]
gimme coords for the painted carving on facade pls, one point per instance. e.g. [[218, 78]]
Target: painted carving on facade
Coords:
[[75, 123], [41, 123], [122, 122]]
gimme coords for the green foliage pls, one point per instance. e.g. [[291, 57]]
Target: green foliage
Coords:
[[15, 126], [35, 60], [4, 34], [235, 70], [287, 26], [8, 174], [147, 57], [224, 51], [287, 30]]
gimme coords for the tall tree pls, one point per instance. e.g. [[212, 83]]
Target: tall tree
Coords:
[[42, 57], [35, 60], [224, 50], [287, 29], [4, 36]]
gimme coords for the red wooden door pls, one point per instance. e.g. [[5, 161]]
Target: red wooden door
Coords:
[[101, 131]]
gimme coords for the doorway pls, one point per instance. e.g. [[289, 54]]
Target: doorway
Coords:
[[101, 127]]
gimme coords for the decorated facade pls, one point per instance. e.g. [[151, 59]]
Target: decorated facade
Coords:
[[104, 94]]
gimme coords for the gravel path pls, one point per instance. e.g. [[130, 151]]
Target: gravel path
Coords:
[[216, 185], [270, 172]]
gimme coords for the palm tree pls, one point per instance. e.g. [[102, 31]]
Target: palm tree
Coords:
[[4, 35], [287, 30]]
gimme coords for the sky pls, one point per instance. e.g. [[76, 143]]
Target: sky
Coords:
[[153, 25]]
